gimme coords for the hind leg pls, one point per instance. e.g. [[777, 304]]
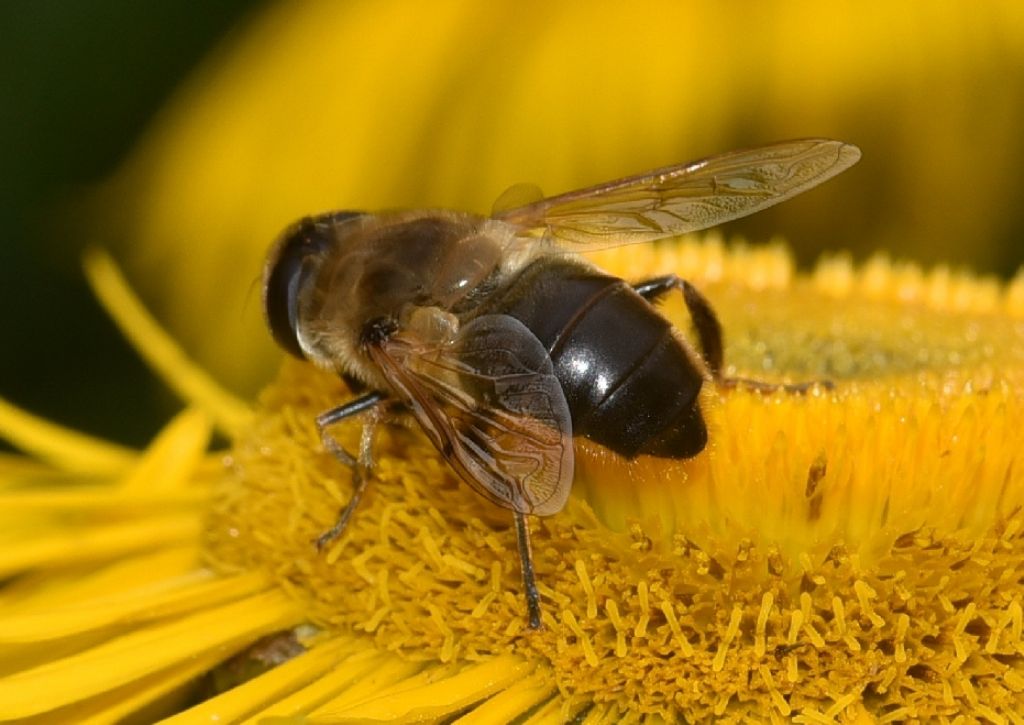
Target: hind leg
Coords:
[[709, 332], [705, 322]]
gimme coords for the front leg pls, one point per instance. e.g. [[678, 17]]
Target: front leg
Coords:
[[362, 466]]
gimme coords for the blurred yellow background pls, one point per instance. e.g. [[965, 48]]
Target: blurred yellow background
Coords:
[[316, 106], [309, 105]]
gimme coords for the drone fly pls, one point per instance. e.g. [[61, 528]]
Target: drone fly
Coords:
[[503, 343]]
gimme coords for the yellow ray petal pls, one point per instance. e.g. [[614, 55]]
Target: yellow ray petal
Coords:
[[67, 585], [356, 678], [428, 696], [510, 704], [556, 710], [71, 544], [280, 691], [143, 652], [67, 449], [196, 592], [93, 499], [16, 468], [175, 452], [605, 715], [158, 348], [268, 688], [125, 702]]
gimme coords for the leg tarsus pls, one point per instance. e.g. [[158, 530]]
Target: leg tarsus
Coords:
[[331, 444], [760, 386], [360, 480], [362, 466], [526, 562]]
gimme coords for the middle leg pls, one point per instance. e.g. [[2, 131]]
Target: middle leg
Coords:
[[526, 564]]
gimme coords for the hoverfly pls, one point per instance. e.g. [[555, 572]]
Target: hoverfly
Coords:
[[502, 343]]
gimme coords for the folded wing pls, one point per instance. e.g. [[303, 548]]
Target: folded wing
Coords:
[[490, 402]]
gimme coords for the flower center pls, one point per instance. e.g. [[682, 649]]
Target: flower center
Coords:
[[858, 542]]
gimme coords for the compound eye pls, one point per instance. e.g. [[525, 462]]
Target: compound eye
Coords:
[[289, 265]]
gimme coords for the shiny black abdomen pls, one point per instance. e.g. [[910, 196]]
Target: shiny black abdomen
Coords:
[[630, 384]]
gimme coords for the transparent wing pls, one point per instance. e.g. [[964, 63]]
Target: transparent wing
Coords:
[[684, 198], [490, 402]]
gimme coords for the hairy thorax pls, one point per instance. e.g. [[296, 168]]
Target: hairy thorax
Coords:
[[422, 271]]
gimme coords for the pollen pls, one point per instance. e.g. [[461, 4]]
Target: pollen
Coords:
[[855, 550]]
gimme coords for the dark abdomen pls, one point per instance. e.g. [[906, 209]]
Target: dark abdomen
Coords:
[[629, 383]]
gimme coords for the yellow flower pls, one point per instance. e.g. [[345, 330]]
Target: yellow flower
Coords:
[[850, 553]]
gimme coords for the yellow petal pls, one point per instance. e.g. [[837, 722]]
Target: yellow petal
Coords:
[[510, 704], [269, 688], [429, 696], [67, 585], [158, 348], [127, 701], [128, 608], [143, 652], [352, 679], [447, 104], [173, 455], [558, 710], [67, 449], [72, 544]]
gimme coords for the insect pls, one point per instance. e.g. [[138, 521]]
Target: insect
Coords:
[[502, 343]]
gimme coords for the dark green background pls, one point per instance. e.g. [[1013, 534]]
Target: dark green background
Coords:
[[80, 81]]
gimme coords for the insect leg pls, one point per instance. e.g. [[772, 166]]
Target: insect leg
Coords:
[[705, 322], [526, 562], [709, 330], [360, 466], [762, 387], [335, 415], [352, 407]]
